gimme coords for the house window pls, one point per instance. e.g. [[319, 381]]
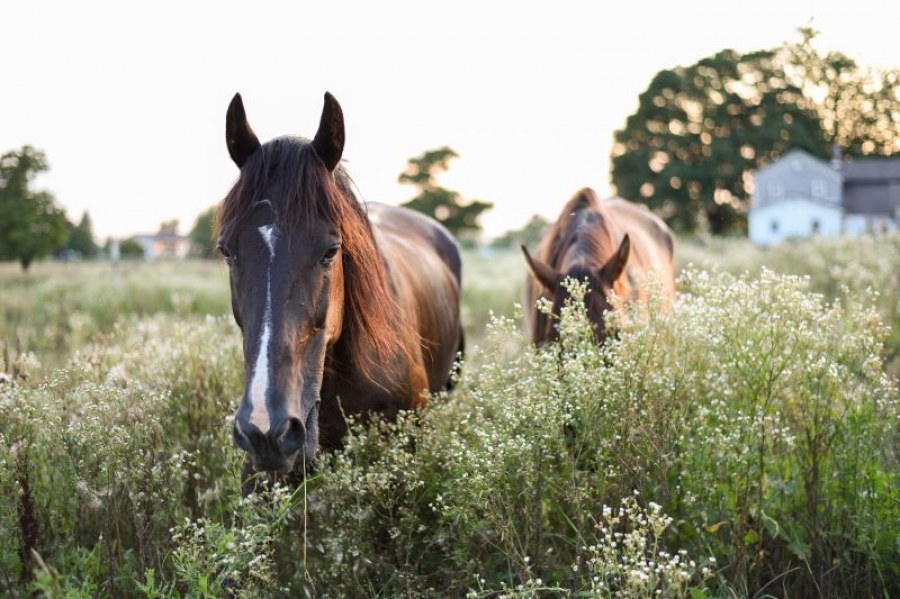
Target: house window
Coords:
[[815, 226], [819, 189], [774, 226]]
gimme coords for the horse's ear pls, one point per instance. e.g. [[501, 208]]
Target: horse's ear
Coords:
[[329, 140], [545, 274], [242, 141], [614, 267]]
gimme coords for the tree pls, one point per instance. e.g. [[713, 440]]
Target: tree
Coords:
[[859, 108], [202, 242], [131, 248], [529, 235], [169, 227], [81, 237], [31, 225], [700, 132], [444, 205]]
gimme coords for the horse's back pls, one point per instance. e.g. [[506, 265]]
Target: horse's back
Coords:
[[403, 223], [652, 241], [638, 217], [425, 268]]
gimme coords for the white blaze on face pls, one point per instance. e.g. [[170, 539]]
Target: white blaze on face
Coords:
[[259, 381]]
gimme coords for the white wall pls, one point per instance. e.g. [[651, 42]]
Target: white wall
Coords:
[[793, 218], [856, 224]]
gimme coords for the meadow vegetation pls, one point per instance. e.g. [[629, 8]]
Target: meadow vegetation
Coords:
[[56, 308], [744, 443]]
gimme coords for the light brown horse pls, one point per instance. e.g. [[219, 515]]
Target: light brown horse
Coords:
[[613, 244], [344, 308]]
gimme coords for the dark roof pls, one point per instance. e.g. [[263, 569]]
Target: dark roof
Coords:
[[871, 169], [872, 197], [872, 186]]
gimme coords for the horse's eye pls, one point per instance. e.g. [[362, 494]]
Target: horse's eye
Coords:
[[328, 258], [223, 251]]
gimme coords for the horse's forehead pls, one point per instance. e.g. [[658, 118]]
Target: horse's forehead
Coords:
[[258, 224], [265, 210], [269, 234], [261, 213]]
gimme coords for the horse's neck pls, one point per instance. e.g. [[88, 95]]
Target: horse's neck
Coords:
[[343, 377]]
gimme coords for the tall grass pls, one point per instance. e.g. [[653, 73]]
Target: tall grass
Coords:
[[103, 457], [744, 443], [58, 307]]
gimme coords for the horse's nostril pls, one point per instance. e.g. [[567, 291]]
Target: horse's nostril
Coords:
[[240, 439], [293, 438]]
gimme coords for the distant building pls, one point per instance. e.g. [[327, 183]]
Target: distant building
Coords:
[[164, 246], [800, 196]]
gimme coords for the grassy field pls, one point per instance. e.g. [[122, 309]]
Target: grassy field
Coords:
[[744, 444]]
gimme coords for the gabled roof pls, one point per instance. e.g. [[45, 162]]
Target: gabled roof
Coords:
[[797, 160], [793, 175]]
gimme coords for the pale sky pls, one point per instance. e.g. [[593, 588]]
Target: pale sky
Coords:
[[128, 99]]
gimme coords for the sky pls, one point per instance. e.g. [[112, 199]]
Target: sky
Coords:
[[128, 99]]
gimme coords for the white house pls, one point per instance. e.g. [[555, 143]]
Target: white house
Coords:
[[800, 196], [164, 245]]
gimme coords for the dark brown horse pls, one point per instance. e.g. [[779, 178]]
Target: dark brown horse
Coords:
[[344, 309], [613, 244]]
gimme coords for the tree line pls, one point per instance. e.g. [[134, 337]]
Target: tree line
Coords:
[[33, 225], [688, 152]]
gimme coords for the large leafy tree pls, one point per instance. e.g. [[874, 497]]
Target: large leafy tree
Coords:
[[31, 225], [859, 107], [444, 205], [699, 133]]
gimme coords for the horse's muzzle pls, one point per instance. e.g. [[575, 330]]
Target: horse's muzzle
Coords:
[[275, 450]]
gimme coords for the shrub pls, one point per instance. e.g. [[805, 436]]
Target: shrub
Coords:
[[836, 267], [99, 461]]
